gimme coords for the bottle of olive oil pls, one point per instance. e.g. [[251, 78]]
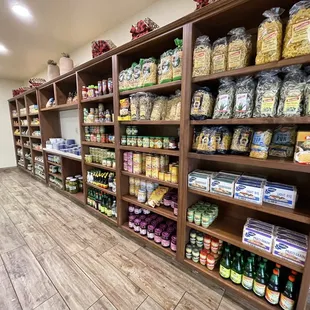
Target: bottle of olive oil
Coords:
[[236, 270], [248, 275], [259, 287], [225, 265], [272, 294]]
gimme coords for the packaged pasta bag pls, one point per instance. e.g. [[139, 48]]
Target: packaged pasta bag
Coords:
[[177, 115], [166, 67], [202, 104], [292, 92], [225, 99], [307, 93], [267, 94], [296, 40], [269, 37], [129, 78], [159, 108], [196, 135], [244, 97], [239, 49], [121, 80], [223, 139], [202, 56], [135, 106], [283, 142], [260, 144], [149, 71], [219, 55], [124, 107], [173, 110], [145, 105], [241, 140], [207, 141], [137, 73], [177, 60]]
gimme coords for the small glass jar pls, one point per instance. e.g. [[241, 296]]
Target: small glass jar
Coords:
[[142, 195], [199, 240], [197, 218], [214, 245], [172, 143], [157, 235], [205, 220], [131, 209], [210, 262], [143, 230], [129, 140], [166, 143], [158, 143], [173, 243], [152, 142], [190, 215], [167, 200], [192, 237], [195, 255], [73, 186], [207, 242], [140, 141], [165, 239], [128, 131], [203, 257], [137, 225], [124, 140], [131, 222], [146, 141], [137, 210], [134, 130], [134, 141], [188, 251], [146, 211], [142, 217], [68, 182], [150, 232], [132, 189]]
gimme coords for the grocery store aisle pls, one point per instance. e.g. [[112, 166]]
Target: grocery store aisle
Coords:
[[55, 255]]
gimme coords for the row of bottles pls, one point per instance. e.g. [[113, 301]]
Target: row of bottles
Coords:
[[267, 280], [102, 202], [102, 179]]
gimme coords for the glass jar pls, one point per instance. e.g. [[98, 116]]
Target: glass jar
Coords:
[[173, 243], [140, 141], [68, 183], [165, 239], [137, 225], [203, 257], [131, 209], [124, 140], [167, 200], [128, 131], [137, 210], [207, 242], [128, 140], [158, 143], [197, 218], [152, 142], [210, 261], [146, 141], [134, 140], [73, 186], [142, 195], [166, 143], [172, 143], [131, 222], [199, 239], [150, 232], [157, 235], [192, 237], [188, 250], [146, 211], [195, 255], [134, 130], [214, 245], [81, 184], [143, 226], [190, 215], [132, 189]]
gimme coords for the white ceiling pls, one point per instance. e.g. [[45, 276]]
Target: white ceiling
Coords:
[[58, 26]]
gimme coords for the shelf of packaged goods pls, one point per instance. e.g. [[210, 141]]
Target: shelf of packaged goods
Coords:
[[146, 241], [61, 107], [98, 144], [37, 150], [169, 184], [54, 164], [255, 121], [137, 123], [167, 87], [252, 70], [98, 124], [97, 99], [56, 175], [63, 154], [39, 162], [256, 301], [149, 150], [279, 164], [161, 210], [100, 215], [35, 137], [100, 166], [298, 214], [230, 230], [101, 189]]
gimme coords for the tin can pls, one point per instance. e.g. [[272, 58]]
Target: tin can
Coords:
[[161, 176], [166, 143], [124, 140], [167, 177], [152, 142], [104, 87], [146, 141], [140, 141], [134, 140]]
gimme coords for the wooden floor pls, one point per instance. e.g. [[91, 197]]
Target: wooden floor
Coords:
[[57, 256]]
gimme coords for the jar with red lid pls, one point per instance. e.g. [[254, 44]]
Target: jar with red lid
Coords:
[[165, 239], [131, 221], [203, 257], [137, 225], [157, 236], [210, 262], [150, 232], [207, 242], [214, 245], [143, 226], [173, 244]]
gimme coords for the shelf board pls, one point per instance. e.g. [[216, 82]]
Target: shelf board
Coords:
[[63, 154], [146, 241], [18, 144], [25, 136], [37, 150], [137, 123], [98, 144], [169, 184], [150, 150], [101, 215], [246, 160], [56, 175], [36, 137], [98, 124], [251, 70], [27, 147], [54, 164], [62, 107], [99, 166], [23, 125], [33, 114], [258, 302], [23, 116], [162, 210], [14, 116], [37, 125], [101, 189], [297, 214], [230, 230], [17, 135], [254, 121], [97, 99]]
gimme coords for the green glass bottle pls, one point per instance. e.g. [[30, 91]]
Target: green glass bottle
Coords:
[[242, 257], [248, 275], [225, 265], [272, 294], [287, 298], [259, 286], [236, 269]]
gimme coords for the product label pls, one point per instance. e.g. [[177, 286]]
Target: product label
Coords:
[[270, 42], [223, 102], [272, 296], [286, 303], [268, 104], [234, 59], [224, 272], [247, 282], [300, 31], [200, 59], [291, 104], [235, 277], [259, 289], [241, 103], [219, 62]]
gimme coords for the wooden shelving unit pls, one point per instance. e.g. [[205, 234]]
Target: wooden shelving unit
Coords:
[[220, 17]]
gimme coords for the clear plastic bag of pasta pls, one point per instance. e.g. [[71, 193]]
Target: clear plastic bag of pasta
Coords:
[[177, 60], [225, 99], [137, 73], [159, 108], [173, 110], [129, 79], [296, 40], [219, 55], [260, 144], [292, 92], [121, 80], [207, 141], [202, 104], [307, 93], [145, 105], [244, 97], [267, 94], [223, 139], [166, 67], [269, 37], [241, 140], [202, 56], [196, 135], [239, 49], [149, 71], [135, 106]]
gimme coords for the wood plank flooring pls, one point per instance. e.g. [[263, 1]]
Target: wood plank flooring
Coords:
[[54, 255]]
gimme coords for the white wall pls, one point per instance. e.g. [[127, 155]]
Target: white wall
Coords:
[[69, 124], [7, 156]]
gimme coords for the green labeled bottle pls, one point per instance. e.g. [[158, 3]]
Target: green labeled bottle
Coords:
[[272, 294], [225, 265], [259, 286], [248, 275], [287, 298], [236, 269]]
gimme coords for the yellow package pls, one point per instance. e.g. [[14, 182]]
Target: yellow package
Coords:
[[157, 196]]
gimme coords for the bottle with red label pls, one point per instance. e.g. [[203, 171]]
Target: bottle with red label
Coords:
[[287, 298], [272, 294]]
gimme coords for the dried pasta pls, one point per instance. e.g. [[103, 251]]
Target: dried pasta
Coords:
[[202, 56], [260, 144], [219, 55], [177, 60], [202, 104], [207, 141], [241, 140], [149, 72], [166, 67], [159, 108]]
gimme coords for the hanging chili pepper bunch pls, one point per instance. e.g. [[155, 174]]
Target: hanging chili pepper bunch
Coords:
[[142, 27], [201, 3], [101, 46]]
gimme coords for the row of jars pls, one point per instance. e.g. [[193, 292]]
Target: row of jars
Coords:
[[202, 213], [100, 138], [168, 143]]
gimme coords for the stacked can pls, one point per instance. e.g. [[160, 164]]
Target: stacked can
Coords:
[[137, 163]]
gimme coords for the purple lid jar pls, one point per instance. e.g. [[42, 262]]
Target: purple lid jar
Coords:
[[160, 219], [150, 232], [167, 200], [157, 237], [143, 228], [170, 229], [131, 208], [154, 216], [173, 244], [137, 225], [154, 223], [131, 221], [162, 226], [142, 217], [165, 239], [148, 220]]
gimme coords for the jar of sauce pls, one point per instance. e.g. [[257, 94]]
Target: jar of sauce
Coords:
[[165, 239]]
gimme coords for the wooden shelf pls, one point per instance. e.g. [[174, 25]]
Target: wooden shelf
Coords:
[[279, 164], [25, 136], [162, 210], [138, 123], [38, 150], [33, 114], [98, 144], [23, 116], [17, 135], [101, 189], [26, 146], [14, 116], [149, 150], [98, 124], [37, 125], [99, 166], [297, 214], [147, 241], [61, 107], [230, 230], [23, 125], [167, 87], [54, 164], [169, 184], [35, 137], [98, 99], [56, 175], [101, 215]]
